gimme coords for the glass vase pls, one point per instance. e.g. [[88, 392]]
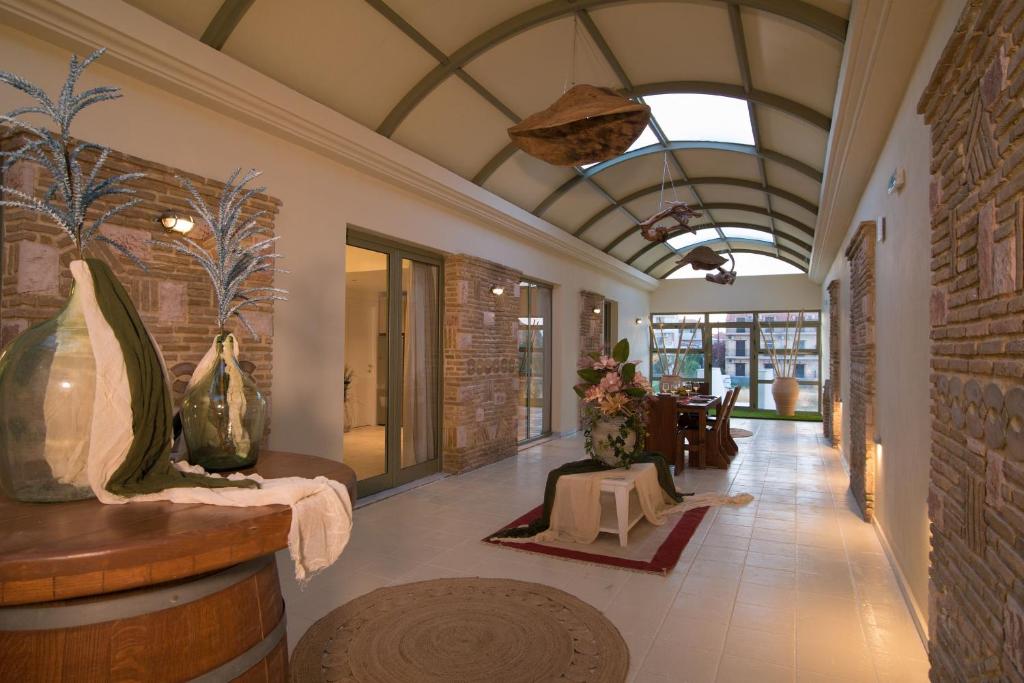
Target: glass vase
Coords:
[[47, 391], [223, 413]]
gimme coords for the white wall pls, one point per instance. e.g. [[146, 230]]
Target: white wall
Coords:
[[902, 325], [758, 293], [321, 197]]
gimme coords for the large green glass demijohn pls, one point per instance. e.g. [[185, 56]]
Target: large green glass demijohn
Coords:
[[48, 374], [223, 413]]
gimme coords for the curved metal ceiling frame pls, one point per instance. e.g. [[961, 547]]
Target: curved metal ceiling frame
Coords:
[[798, 266], [785, 105], [813, 17], [676, 146], [750, 226], [796, 10], [709, 180], [725, 206]]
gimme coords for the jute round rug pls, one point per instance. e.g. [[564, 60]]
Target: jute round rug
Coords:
[[493, 630], [740, 433]]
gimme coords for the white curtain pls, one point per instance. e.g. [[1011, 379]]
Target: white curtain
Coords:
[[419, 421]]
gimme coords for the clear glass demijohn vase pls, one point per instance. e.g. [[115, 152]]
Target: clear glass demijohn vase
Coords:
[[223, 413], [47, 392]]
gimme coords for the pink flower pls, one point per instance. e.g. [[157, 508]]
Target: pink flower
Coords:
[[641, 381], [611, 382], [606, 363], [594, 394]]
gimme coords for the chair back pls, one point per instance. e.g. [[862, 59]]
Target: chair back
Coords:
[[661, 426], [728, 407], [723, 413]]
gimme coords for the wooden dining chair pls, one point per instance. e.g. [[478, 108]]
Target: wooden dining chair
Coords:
[[729, 446], [714, 453], [662, 430]]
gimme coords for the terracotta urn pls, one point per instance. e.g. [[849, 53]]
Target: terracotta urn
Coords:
[[785, 391]]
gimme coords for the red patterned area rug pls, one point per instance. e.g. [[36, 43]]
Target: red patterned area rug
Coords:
[[651, 548]]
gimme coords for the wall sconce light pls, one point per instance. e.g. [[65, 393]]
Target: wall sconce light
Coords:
[[597, 310], [497, 290], [173, 222], [638, 321]]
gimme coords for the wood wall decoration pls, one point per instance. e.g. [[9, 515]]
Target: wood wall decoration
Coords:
[[680, 212], [706, 258], [586, 125]]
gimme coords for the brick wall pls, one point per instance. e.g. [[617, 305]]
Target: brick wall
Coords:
[[174, 296], [591, 331], [973, 105], [832, 389], [481, 363], [861, 255]]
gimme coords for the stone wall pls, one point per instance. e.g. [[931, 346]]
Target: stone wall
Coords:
[[174, 296], [861, 255], [973, 105], [591, 331], [831, 399], [481, 363]]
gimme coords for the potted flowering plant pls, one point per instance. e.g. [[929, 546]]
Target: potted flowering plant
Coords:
[[614, 395]]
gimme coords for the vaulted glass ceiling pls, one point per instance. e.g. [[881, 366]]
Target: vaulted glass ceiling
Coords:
[[741, 90]]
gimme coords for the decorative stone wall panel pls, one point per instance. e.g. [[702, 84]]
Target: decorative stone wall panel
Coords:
[[861, 255], [591, 328], [832, 389], [173, 295], [974, 105], [481, 363]]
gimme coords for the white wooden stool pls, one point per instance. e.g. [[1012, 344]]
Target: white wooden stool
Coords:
[[627, 505]]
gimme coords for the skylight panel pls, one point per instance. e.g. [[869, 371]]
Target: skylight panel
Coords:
[[688, 116], [748, 234], [688, 238]]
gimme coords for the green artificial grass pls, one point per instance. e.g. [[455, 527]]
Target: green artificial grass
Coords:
[[772, 415]]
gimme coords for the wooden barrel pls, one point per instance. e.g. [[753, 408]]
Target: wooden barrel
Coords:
[[227, 625]]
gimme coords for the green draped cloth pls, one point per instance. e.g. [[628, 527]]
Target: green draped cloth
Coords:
[[585, 467], [147, 467]]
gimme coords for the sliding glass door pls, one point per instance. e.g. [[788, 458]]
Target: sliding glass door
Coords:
[[729, 350], [392, 363], [534, 360]]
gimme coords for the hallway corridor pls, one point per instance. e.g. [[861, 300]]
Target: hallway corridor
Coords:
[[793, 587]]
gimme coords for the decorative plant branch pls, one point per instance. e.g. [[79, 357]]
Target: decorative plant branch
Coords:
[[784, 361], [238, 251], [678, 361], [72, 191]]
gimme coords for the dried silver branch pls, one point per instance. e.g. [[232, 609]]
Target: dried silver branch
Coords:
[[72, 191], [240, 248]]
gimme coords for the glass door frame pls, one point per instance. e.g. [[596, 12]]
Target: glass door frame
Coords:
[[754, 345], [394, 474], [548, 355]]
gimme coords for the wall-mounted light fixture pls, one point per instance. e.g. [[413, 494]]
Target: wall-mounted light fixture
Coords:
[[173, 222], [597, 310], [497, 290], [638, 321]]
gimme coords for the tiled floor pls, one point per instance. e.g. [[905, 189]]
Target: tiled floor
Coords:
[[791, 587]]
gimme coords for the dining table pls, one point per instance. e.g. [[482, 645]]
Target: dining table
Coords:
[[699, 405]]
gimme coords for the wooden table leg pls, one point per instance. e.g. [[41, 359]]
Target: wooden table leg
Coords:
[[702, 433]]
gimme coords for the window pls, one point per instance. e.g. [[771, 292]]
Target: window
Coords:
[[689, 238], [690, 116], [741, 348], [741, 370], [801, 371], [748, 234]]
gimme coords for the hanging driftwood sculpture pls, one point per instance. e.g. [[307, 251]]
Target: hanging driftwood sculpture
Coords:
[[586, 125], [705, 258], [680, 212]]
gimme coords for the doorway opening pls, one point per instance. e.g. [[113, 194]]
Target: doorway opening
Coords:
[[392, 363], [534, 360]]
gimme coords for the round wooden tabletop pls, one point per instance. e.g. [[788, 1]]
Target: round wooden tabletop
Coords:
[[57, 551]]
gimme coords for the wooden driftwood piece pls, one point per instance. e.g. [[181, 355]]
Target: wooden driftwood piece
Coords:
[[678, 211], [586, 125], [705, 258]]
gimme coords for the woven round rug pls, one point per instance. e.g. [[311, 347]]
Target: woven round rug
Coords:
[[740, 433], [465, 629]]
